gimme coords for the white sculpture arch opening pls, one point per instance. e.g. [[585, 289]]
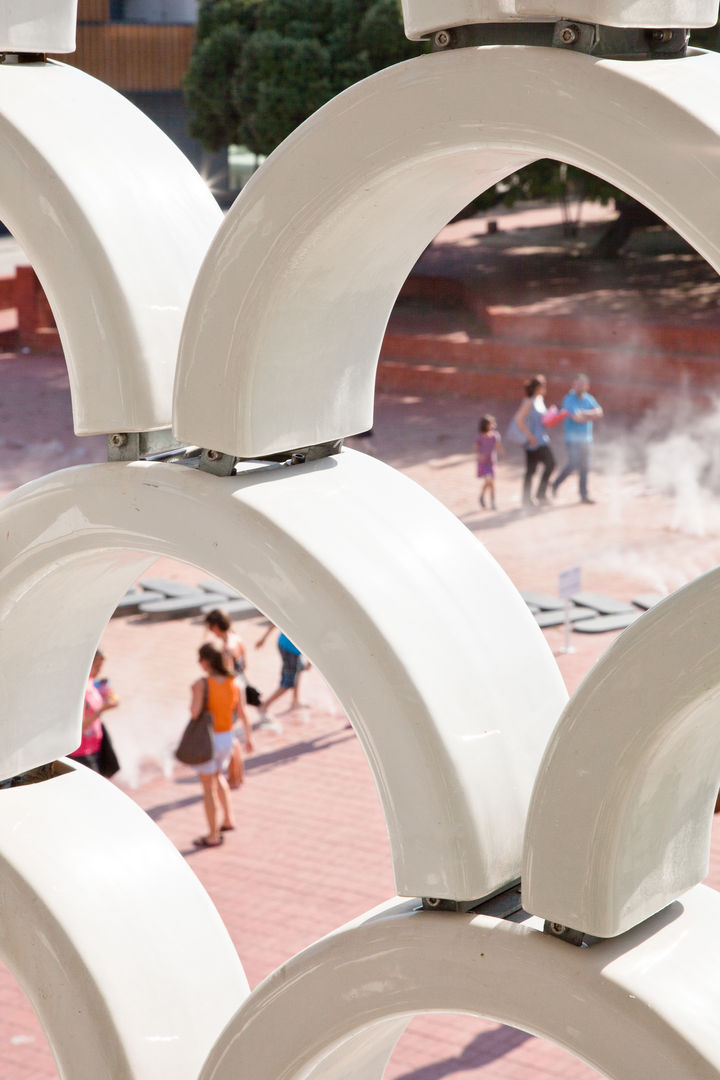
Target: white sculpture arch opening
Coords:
[[454, 741], [291, 303], [89, 888], [368, 979], [628, 783], [116, 230]]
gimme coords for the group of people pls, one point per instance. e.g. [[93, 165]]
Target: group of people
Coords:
[[223, 691], [530, 427]]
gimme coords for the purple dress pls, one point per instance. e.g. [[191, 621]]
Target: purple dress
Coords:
[[486, 450]]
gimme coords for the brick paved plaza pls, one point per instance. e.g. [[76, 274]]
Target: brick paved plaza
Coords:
[[311, 851]]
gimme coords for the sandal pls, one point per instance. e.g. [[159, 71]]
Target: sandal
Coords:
[[205, 841]]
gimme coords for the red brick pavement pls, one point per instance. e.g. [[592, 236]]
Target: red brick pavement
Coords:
[[311, 850]]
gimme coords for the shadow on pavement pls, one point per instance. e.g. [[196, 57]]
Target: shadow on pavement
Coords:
[[263, 762], [486, 1047], [257, 763], [159, 811]]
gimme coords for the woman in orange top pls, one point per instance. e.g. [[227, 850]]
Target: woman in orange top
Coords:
[[221, 700]]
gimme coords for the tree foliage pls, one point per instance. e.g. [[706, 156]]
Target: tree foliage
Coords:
[[261, 67]]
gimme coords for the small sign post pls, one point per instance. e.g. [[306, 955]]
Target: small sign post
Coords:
[[569, 582]]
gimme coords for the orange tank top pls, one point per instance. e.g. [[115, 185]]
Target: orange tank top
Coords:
[[222, 702]]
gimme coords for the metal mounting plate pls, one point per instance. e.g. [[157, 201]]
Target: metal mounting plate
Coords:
[[609, 42]]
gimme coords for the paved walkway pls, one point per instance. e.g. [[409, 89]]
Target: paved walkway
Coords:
[[311, 850]]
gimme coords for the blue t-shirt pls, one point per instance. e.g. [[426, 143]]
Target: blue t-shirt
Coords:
[[286, 644], [575, 432]]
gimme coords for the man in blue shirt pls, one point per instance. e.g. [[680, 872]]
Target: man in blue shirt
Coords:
[[578, 431]]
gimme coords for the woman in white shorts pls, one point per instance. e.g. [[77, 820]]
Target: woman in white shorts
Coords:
[[218, 693]]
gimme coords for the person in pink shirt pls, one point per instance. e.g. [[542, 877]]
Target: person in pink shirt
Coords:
[[88, 752]]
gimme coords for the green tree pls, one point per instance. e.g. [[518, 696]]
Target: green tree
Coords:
[[552, 180], [261, 67]]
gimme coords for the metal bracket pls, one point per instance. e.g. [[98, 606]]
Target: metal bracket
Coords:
[[134, 445], [499, 906], [219, 464], [22, 58], [565, 933], [608, 42], [37, 775], [162, 445]]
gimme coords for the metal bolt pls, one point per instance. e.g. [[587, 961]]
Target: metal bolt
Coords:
[[442, 39], [119, 439], [557, 928], [662, 35], [432, 901], [213, 455], [569, 34]]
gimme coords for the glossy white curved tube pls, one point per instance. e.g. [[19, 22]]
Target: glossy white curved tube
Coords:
[[645, 1004], [423, 17], [448, 681], [119, 949], [116, 222], [289, 310], [621, 814]]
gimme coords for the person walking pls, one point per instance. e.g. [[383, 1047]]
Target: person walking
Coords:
[[293, 665], [217, 692], [488, 444], [538, 452], [232, 647], [582, 409], [95, 704]]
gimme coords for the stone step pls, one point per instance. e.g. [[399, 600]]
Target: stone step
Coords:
[[628, 363], [403, 376]]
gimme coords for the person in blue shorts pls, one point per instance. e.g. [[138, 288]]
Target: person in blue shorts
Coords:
[[293, 664], [578, 430]]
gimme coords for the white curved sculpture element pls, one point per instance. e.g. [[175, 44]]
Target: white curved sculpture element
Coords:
[[423, 17], [116, 222], [617, 1005], [621, 814], [37, 26], [119, 949], [448, 681], [291, 303]]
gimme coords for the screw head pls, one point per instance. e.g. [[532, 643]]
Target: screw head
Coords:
[[119, 439], [569, 34], [213, 455], [442, 39]]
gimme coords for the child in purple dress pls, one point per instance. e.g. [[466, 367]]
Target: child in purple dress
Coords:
[[488, 444]]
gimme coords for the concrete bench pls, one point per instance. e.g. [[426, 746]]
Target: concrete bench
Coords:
[[557, 618], [176, 607], [541, 601], [647, 600], [602, 624], [236, 609], [130, 603], [218, 588], [167, 587], [605, 605]]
